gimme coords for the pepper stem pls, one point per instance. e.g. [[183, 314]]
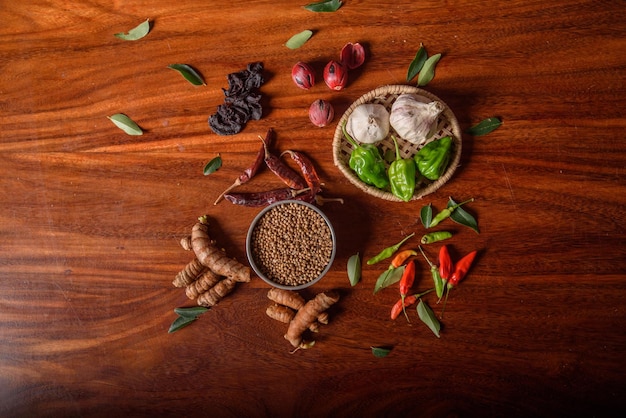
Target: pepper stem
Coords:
[[397, 148], [424, 254], [347, 135]]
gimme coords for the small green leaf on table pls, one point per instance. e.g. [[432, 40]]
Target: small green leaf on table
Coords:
[[428, 317], [418, 62], [135, 33], [485, 126], [126, 124], [299, 39], [189, 73], [428, 70], [426, 215], [462, 217], [324, 6], [381, 352], [213, 165], [354, 269]]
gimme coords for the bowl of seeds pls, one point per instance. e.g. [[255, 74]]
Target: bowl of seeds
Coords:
[[291, 244]]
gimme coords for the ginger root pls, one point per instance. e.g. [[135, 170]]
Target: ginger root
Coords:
[[212, 296], [285, 314], [189, 274], [307, 315], [207, 280], [212, 257]]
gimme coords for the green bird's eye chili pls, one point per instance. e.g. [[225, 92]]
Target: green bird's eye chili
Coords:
[[435, 237], [445, 213], [388, 252], [434, 272], [401, 175], [432, 160], [367, 163]]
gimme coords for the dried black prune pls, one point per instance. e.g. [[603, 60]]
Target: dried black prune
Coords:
[[242, 101]]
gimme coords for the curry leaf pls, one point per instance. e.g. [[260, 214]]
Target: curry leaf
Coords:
[[189, 73], [381, 352], [135, 33], [299, 39], [428, 70], [354, 269], [324, 6], [417, 63], [126, 124], [462, 217], [426, 214], [181, 322], [388, 277], [485, 126], [428, 317], [213, 165], [192, 312]]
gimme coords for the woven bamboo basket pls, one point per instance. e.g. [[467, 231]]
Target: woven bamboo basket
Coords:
[[446, 125]]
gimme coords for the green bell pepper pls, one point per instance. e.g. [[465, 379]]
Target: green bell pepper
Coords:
[[432, 160], [367, 163], [402, 175]]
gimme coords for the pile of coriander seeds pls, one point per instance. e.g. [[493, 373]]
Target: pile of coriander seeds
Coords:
[[291, 244]]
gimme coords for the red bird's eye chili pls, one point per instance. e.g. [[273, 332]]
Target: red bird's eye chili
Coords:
[[282, 170], [439, 285], [308, 170], [408, 301], [461, 269], [251, 171], [445, 263], [406, 282]]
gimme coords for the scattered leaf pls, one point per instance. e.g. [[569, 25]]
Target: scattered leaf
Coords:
[[484, 127], [324, 6], [462, 217], [126, 124], [191, 312], [299, 39], [354, 269], [181, 322], [189, 73], [135, 33], [428, 317], [381, 352], [388, 277], [417, 63], [426, 215], [213, 165], [428, 70]]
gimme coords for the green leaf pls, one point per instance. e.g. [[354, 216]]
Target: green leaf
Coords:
[[462, 217], [484, 127], [354, 269], [324, 6], [192, 312], [389, 277], [181, 322], [381, 352], [135, 33], [426, 215], [428, 317], [428, 70], [189, 73], [417, 63], [299, 39], [213, 165], [126, 124]]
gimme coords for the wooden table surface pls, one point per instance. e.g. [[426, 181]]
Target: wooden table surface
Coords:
[[91, 218]]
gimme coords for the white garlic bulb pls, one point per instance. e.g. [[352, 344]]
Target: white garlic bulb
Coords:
[[413, 118], [368, 123]]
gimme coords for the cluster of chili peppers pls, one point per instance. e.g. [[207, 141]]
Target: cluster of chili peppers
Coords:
[[445, 275], [305, 187]]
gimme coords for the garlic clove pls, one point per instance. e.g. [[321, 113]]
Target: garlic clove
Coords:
[[412, 118], [368, 123]]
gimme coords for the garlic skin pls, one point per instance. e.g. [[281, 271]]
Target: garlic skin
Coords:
[[368, 123], [413, 118]]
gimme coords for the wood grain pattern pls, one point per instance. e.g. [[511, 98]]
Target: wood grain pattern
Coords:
[[90, 219]]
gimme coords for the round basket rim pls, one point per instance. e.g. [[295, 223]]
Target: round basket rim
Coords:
[[384, 91]]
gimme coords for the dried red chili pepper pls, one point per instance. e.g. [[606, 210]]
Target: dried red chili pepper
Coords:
[[308, 170], [265, 198], [251, 171], [282, 170], [406, 282]]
